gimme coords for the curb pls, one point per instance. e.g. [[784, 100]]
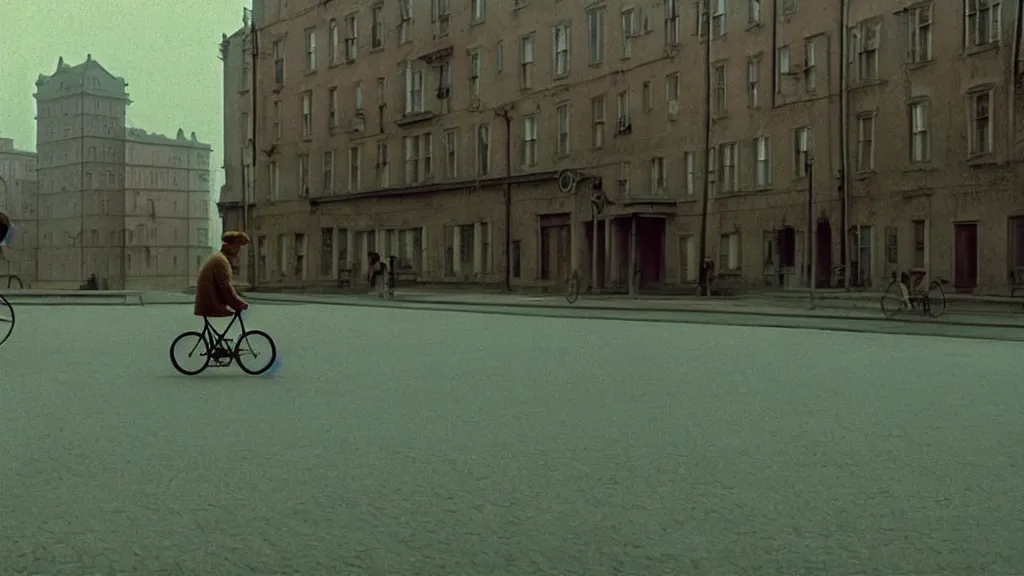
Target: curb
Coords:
[[448, 306]]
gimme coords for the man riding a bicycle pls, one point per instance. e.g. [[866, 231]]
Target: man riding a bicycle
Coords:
[[216, 299], [6, 231]]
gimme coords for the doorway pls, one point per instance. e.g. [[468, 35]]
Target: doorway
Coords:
[[823, 253], [965, 257], [601, 251]]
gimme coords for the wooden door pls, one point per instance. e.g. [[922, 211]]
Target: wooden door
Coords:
[[965, 263]]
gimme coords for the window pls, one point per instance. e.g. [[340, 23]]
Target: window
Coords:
[[866, 143], [279, 62], [351, 37], [561, 43], [628, 31], [921, 244], [729, 252], [810, 67], [981, 123], [866, 38], [311, 49], [383, 169], [918, 22], [647, 96], [625, 178], [451, 153], [418, 158], [687, 259], [983, 22], [529, 156], [753, 82], [526, 58], [475, 71], [335, 41], [274, 175], [595, 34], [444, 85], [672, 22], [441, 15], [479, 10], [563, 120], [332, 108], [920, 144], [690, 167], [354, 168], [377, 31], [702, 19], [784, 66], [328, 172], [622, 109], [718, 21], [728, 169], [801, 151], [483, 150], [658, 180], [597, 119], [719, 93], [672, 95], [307, 114], [413, 89], [327, 252], [754, 12], [405, 21], [763, 161], [304, 176]]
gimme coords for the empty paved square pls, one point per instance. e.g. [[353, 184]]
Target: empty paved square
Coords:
[[413, 442]]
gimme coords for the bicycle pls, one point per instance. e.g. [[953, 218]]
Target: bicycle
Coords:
[[216, 347], [7, 319], [903, 294], [578, 282]]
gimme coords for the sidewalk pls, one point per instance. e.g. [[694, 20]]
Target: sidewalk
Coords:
[[855, 309]]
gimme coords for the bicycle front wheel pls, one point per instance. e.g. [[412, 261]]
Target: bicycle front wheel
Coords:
[[6, 320], [190, 353], [892, 299], [936, 302], [573, 292], [255, 352]]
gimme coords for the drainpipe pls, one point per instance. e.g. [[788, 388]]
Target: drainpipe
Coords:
[[704, 280], [845, 182], [1016, 67]]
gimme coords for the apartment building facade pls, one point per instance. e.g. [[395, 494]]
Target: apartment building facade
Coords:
[[479, 139], [167, 203], [236, 53], [123, 205], [18, 197]]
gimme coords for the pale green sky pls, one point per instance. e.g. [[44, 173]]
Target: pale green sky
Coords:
[[165, 49]]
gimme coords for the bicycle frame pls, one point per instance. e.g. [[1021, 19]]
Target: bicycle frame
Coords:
[[209, 331]]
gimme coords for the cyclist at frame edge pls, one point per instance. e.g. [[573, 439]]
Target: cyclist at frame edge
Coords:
[[216, 299], [6, 231]]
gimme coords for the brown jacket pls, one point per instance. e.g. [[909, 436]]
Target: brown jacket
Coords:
[[214, 292]]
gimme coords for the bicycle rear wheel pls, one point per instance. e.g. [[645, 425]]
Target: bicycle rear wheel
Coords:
[[936, 300], [892, 299], [573, 292], [255, 352], [194, 356], [6, 320]]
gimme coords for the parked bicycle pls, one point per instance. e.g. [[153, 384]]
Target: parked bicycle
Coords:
[[6, 320], [904, 293], [578, 282]]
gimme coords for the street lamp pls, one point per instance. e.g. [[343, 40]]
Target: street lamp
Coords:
[[811, 237]]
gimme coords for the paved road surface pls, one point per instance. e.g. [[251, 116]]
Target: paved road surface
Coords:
[[405, 442]]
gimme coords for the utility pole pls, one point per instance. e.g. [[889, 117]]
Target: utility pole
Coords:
[[249, 190], [811, 236], [705, 28], [505, 114]]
